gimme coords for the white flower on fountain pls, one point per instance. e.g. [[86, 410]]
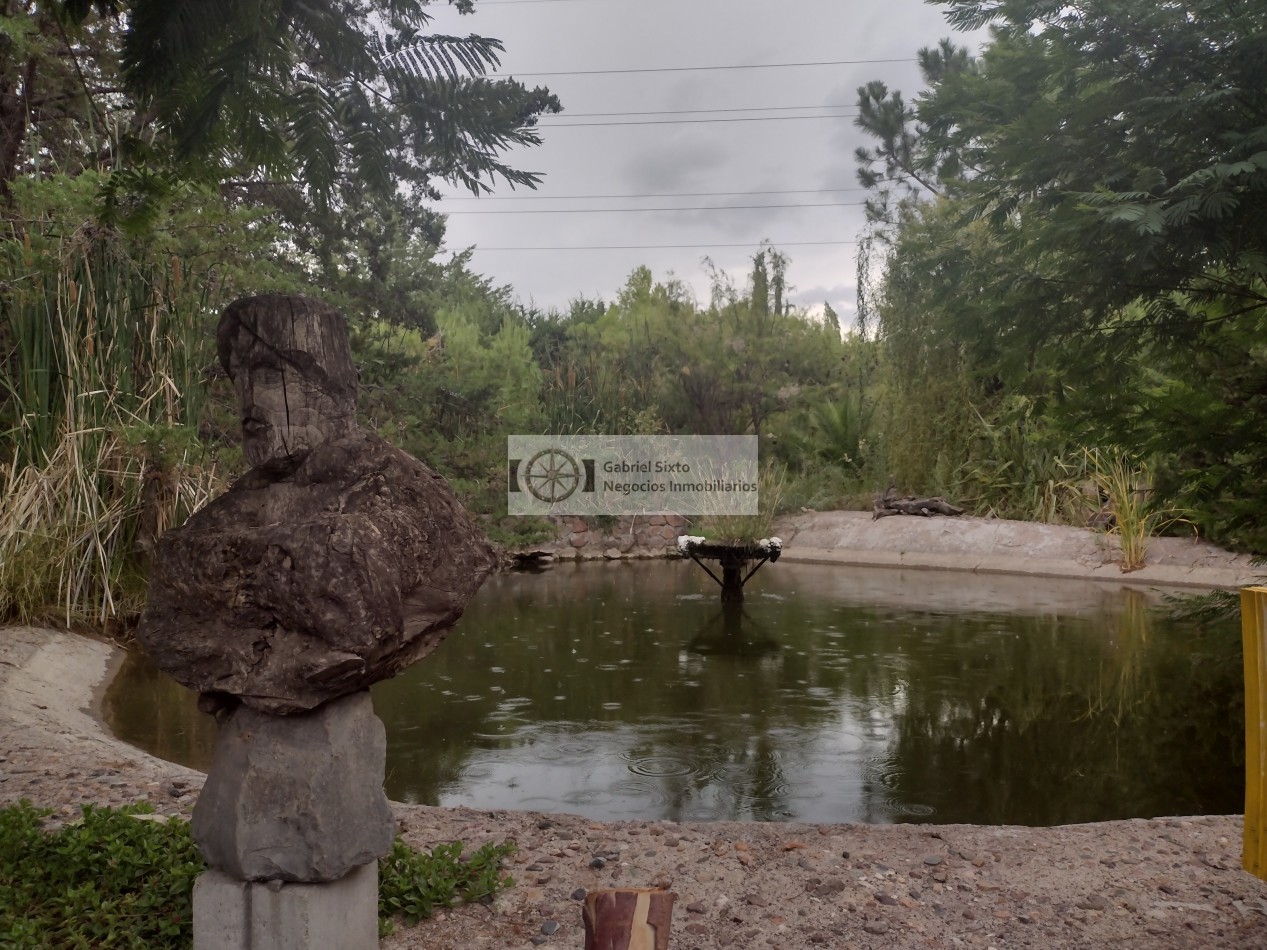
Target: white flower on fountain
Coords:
[[687, 541]]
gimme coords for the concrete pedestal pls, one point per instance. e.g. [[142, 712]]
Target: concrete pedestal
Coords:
[[336, 915]]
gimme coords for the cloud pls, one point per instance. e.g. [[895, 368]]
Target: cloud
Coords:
[[778, 154], [679, 164], [838, 295]]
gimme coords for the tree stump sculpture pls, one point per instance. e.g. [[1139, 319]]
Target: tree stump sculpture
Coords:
[[335, 562]]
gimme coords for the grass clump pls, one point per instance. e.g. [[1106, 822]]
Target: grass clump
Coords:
[[744, 529], [1127, 485], [113, 879], [76, 528]]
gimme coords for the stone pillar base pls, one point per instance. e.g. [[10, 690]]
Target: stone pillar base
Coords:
[[296, 798], [240, 915]]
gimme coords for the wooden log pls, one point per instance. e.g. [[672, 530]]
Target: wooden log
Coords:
[[916, 506], [886, 504], [880, 504], [628, 918]]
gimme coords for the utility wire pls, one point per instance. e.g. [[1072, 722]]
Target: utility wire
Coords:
[[498, 3], [486, 3], [662, 194], [826, 204], [696, 69], [599, 115], [660, 247], [758, 118]]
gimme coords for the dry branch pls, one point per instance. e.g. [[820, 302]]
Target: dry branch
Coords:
[[886, 503]]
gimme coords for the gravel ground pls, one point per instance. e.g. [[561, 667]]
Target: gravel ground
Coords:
[[1165, 883], [1155, 885]]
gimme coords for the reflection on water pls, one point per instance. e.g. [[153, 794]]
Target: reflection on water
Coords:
[[627, 690]]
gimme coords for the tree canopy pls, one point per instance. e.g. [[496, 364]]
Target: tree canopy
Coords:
[[1089, 231], [159, 158], [315, 104]]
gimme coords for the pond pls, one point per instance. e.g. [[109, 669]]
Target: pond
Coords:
[[624, 690]]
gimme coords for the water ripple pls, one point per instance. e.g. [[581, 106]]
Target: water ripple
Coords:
[[644, 792], [882, 771], [660, 766]]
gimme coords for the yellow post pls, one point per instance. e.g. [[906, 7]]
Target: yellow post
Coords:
[[1254, 634]]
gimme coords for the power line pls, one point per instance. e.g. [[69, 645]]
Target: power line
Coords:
[[498, 3], [662, 194], [695, 69], [597, 115], [660, 247], [825, 204], [758, 118]]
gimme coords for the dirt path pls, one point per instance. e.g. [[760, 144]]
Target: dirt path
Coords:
[[1154, 885]]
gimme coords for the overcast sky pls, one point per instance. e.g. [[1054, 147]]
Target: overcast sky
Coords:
[[783, 153]]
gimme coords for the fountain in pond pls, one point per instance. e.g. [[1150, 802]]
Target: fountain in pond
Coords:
[[733, 557]]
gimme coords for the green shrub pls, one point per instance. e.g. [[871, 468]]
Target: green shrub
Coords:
[[822, 487], [115, 879], [518, 531], [411, 883], [1017, 467], [110, 879]]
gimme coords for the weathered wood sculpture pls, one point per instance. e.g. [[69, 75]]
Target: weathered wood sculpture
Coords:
[[335, 562]]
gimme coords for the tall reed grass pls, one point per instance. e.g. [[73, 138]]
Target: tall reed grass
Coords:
[[1014, 470], [1127, 485], [742, 529], [1121, 686], [99, 407]]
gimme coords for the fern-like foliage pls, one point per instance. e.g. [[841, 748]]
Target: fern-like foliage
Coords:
[[321, 91]]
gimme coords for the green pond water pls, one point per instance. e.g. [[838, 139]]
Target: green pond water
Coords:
[[624, 690]]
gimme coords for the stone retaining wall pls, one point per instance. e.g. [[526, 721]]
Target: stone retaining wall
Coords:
[[631, 536]]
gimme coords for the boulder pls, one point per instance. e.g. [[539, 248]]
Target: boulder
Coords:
[[296, 798], [289, 592]]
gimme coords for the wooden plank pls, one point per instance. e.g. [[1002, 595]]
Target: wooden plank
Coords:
[[1254, 637]]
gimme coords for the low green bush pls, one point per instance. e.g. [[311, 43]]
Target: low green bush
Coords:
[[115, 879], [411, 883], [111, 879]]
